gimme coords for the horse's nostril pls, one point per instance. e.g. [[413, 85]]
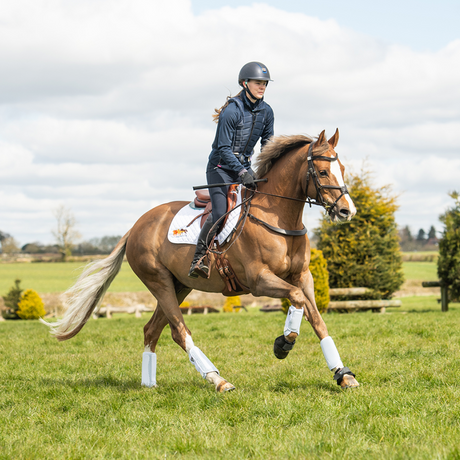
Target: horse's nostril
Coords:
[[344, 212]]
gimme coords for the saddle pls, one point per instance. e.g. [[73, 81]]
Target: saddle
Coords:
[[233, 285], [203, 200]]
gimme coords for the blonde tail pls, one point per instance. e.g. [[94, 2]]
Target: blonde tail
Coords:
[[87, 293]]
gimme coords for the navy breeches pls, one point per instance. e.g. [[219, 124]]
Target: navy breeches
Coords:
[[219, 194], [216, 175]]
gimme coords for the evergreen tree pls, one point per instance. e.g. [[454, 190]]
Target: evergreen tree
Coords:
[[11, 301], [406, 240], [365, 251], [421, 237], [449, 249], [432, 232]]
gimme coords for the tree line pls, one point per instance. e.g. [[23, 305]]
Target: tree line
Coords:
[[365, 252], [66, 238], [423, 241]]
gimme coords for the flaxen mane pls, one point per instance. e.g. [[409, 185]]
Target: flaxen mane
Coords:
[[276, 148]]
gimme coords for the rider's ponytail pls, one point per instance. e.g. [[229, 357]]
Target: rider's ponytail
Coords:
[[216, 115]]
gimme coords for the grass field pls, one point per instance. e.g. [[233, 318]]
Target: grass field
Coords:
[[83, 399], [426, 271], [57, 277]]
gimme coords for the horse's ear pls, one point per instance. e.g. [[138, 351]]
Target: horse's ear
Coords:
[[321, 138], [334, 140]]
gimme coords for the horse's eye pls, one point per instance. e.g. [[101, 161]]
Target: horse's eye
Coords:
[[323, 173]]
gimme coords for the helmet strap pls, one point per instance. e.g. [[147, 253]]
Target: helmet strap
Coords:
[[249, 92]]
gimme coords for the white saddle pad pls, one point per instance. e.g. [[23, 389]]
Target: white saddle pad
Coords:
[[181, 234]]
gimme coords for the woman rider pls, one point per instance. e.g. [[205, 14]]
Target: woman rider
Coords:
[[241, 122]]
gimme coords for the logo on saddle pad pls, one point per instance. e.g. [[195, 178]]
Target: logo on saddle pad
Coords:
[[179, 232]]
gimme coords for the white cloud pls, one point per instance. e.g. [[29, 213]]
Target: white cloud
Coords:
[[106, 105]]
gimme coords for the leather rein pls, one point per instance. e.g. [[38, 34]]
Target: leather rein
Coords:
[[318, 201]]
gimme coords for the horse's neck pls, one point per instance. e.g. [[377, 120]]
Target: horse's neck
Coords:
[[284, 180]]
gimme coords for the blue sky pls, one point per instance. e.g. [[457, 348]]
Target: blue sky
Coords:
[[105, 105], [420, 24]]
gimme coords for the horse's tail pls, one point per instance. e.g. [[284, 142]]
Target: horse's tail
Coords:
[[87, 293]]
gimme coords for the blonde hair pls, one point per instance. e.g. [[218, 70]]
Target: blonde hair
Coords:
[[217, 112]]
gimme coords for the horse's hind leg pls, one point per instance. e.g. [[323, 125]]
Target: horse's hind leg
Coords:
[[163, 287], [158, 321], [152, 332]]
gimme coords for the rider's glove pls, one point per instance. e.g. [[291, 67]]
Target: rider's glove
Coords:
[[247, 180]]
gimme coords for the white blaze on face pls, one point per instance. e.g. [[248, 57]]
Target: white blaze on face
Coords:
[[335, 170]]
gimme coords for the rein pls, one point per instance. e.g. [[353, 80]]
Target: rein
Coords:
[[318, 201]]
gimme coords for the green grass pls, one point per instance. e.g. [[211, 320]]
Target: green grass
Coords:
[[58, 277], [425, 271], [83, 399]]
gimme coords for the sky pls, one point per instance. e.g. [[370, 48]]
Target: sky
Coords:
[[105, 105]]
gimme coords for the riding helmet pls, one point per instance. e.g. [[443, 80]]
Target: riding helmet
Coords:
[[253, 71]]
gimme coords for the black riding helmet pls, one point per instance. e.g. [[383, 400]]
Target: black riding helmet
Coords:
[[253, 71]]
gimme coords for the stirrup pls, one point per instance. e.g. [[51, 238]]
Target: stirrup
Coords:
[[198, 268]]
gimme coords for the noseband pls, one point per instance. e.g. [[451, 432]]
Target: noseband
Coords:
[[311, 173]]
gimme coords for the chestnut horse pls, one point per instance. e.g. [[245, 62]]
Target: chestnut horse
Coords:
[[269, 260]]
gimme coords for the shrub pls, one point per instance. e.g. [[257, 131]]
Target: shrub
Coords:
[[31, 306], [365, 251], [11, 301], [449, 249], [231, 302], [318, 268]]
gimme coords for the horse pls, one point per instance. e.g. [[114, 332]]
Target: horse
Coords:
[[269, 257]]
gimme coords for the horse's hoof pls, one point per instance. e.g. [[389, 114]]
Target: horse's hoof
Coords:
[[282, 347], [348, 381], [224, 387]]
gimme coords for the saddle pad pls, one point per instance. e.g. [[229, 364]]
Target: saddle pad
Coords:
[[181, 234]]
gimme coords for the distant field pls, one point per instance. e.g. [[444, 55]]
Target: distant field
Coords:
[[420, 256], [58, 277], [425, 271]]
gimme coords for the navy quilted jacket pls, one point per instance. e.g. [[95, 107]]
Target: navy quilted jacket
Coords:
[[241, 124]]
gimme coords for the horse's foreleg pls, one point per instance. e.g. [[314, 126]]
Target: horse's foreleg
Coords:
[[269, 284], [344, 377], [205, 367]]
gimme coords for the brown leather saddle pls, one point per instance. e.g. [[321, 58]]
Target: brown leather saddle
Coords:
[[203, 200]]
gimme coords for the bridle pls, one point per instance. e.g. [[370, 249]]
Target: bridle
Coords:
[[311, 173]]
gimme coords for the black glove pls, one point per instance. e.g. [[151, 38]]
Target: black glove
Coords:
[[247, 180]]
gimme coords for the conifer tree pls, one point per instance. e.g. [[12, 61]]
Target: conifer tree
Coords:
[[421, 235], [11, 301], [449, 249], [365, 251]]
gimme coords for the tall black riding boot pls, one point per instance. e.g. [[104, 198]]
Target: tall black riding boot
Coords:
[[199, 267]]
